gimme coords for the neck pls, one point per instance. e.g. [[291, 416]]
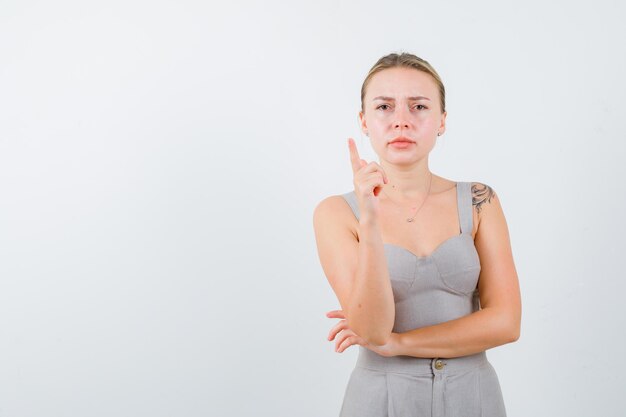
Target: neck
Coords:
[[408, 182]]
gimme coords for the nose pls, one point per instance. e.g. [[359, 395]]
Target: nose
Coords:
[[401, 118]]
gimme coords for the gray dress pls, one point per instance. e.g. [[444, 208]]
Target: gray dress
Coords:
[[428, 290]]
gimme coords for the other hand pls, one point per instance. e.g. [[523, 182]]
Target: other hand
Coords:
[[347, 337]]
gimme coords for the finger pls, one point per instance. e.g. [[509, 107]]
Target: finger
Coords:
[[354, 156], [339, 340], [380, 169], [336, 313], [375, 177], [345, 344], [374, 182], [341, 336], [342, 325], [375, 167]]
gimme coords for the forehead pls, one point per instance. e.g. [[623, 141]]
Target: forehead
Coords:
[[400, 83]]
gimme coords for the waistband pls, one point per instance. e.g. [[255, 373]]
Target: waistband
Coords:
[[419, 366]]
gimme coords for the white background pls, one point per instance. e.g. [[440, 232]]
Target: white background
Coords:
[[160, 163]]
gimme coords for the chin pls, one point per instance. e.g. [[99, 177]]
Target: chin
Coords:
[[402, 159]]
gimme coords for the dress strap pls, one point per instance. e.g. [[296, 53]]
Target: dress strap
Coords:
[[350, 197], [464, 206]]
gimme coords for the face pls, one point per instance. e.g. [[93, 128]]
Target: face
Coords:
[[402, 102]]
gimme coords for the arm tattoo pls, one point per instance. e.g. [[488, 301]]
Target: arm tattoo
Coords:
[[481, 193]]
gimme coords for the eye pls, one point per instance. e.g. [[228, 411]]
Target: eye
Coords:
[[421, 105], [387, 105]]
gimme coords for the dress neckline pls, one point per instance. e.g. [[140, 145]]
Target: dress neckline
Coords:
[[446, 241]]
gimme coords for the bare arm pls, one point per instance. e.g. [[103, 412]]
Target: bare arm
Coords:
[[356, 269], [499, 320], [479, 331], [372, 307]]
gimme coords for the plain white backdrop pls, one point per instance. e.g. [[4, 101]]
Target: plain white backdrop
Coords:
[[160, 162]]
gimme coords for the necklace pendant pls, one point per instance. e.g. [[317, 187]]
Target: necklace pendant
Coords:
[[409, 220]]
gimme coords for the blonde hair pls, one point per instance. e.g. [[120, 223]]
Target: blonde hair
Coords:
[[404, 60]]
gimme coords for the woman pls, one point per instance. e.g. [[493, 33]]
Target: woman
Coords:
[[421, 265]]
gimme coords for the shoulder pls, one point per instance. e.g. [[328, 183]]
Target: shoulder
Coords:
[[332, 203], [482, 196], [334, 210], [485, 203]]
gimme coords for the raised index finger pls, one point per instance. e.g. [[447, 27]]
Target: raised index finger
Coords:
[[354, 156]]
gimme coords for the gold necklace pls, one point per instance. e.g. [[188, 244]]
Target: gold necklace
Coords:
[[410, 219]]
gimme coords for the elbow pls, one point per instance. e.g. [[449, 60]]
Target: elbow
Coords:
[[376, 334], [378, 340], [373, 336], [513, 332], [512, 337], [508, 325]]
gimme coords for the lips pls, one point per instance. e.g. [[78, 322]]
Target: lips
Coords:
[[402, 139]]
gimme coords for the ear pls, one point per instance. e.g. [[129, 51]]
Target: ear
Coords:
[[442, 126], [363, 123]]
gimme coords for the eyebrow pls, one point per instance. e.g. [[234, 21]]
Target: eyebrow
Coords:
[[410, 98]]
